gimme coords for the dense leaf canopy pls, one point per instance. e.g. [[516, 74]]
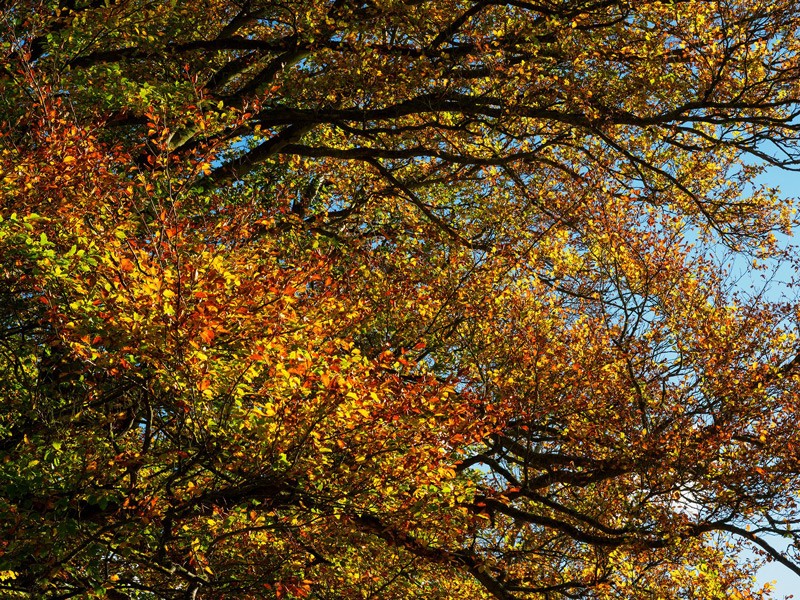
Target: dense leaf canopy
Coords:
[[396, 298]]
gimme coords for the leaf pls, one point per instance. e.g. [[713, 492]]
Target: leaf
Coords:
[[481, 288]]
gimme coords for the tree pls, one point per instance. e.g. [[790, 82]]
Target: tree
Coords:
[[395, 299]]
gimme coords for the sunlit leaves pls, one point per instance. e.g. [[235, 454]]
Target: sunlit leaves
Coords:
[[394, 299]]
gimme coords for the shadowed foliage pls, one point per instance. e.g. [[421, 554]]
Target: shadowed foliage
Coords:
[[396, 298]]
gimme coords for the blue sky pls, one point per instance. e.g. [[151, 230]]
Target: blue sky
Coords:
[[786, 582]]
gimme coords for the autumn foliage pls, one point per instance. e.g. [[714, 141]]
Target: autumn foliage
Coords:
[[396, 299]]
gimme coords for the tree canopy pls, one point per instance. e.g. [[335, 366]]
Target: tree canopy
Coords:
[[397, 298]]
